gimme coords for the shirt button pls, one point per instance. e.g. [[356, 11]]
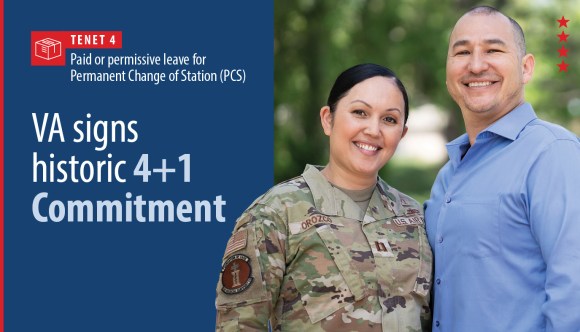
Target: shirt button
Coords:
[[448, 200], [438, 281], [437, 323], [440, 239]]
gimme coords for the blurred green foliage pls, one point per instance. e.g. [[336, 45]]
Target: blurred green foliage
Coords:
[[315, 40]]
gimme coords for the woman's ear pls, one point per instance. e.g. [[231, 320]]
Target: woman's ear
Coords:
[[326, 120]]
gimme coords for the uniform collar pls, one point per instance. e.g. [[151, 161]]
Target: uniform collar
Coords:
[[384, 203]]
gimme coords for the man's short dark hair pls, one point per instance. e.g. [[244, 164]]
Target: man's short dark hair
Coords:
[[517, 29]]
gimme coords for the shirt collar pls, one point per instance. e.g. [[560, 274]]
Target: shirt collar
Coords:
[[457, 148], [334, 202], [512, 124], [508, 126]]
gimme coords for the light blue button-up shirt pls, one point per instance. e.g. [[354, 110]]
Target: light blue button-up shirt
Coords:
[[504, 226]]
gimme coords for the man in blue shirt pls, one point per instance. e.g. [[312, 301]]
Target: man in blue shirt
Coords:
[[503, 219]]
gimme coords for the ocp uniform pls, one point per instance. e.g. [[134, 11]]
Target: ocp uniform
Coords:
[[308, 261]]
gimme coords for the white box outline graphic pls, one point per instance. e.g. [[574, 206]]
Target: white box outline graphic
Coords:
[[45, 45]]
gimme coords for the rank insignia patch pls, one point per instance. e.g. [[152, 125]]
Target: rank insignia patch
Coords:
[[236, 274]]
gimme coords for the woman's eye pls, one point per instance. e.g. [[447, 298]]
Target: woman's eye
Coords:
[[390, 119], [359, 112]]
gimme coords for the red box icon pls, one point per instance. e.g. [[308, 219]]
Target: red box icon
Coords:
[[47, 48]]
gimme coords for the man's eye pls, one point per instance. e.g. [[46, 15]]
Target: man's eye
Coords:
[[493, 51], [462, 53]]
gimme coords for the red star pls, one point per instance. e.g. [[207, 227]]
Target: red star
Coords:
[[563, 52], [563, 37], [563, 22], [563, 66]]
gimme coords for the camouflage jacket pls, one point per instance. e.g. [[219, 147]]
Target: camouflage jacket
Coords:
[[300, 258]]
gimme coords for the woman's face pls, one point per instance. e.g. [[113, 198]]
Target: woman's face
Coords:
[[365, 129]]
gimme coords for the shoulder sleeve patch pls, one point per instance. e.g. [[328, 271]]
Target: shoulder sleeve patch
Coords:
[[236, 274]]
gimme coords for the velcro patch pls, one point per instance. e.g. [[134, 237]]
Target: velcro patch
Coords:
[[413, 211], [236, 274], [317, 219], [382, 248], [237, 241], [404, 202], [409, 221]]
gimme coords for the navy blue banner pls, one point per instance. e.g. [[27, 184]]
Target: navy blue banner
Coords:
[[126, 167]]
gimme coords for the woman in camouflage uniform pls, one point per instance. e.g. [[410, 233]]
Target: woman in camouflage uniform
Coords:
[[337, 248]]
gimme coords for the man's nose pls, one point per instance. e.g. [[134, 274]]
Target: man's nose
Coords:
[[478, 63]]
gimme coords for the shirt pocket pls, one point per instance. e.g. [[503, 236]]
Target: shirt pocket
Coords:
[[324, 276], [475, 230]]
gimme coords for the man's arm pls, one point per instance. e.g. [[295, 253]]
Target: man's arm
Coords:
[[554, 212]]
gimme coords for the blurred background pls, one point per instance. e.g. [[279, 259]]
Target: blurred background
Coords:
[[315, 40]]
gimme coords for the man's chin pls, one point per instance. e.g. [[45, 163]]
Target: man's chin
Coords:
[[479, 107]]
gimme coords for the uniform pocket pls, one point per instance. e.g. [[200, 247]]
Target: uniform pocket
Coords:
[[412, 263], [228, 326], [324, 277], [425, 275]]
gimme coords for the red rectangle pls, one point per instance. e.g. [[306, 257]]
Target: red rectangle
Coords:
[[48, 48]]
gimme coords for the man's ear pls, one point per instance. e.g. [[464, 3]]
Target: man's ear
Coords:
[[326, 120], [528, 63]]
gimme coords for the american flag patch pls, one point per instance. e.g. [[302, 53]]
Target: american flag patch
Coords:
[[237, 241]]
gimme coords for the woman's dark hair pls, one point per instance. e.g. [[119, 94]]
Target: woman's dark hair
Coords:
[[354, 75]]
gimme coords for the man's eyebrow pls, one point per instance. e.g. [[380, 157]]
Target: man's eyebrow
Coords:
[[495, 41], [463, 42]]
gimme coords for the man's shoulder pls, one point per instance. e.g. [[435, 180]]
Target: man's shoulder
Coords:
[[549, 132]]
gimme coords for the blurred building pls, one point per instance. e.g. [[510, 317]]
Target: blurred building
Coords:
[[425, 141]]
